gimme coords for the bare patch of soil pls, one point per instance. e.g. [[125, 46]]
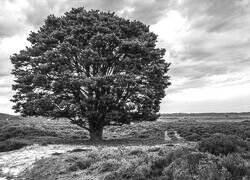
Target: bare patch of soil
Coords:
[[12, 163]]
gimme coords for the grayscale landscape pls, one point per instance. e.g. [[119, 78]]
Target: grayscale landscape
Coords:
[[124, 90]]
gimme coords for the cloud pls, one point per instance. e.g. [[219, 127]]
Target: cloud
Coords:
[[208, 46], [22, 16], [233, 104], [214, 15], [5, 66], [229, 95], [6, 105], [36, 11], [147, 11], [150, 11], [11, 19], [5, 94], [17, 16], [213, 40], [8, 46]]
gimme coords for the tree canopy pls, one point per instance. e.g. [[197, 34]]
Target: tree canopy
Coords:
[[92, 67]]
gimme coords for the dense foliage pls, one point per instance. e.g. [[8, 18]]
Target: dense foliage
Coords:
[[91, 67], [223, 144], [195, 131]]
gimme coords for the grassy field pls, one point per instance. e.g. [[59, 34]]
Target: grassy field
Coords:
[[206, 117], [201, 146], [16, 132]]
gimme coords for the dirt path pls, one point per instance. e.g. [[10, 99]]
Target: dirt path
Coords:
[[166, 136], [14, 162], [175, 136]]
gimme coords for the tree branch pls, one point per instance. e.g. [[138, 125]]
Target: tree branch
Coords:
[[73, 121]]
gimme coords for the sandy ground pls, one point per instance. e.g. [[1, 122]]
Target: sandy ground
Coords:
[[13, 163]]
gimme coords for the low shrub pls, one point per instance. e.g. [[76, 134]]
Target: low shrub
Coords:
[[111, 176], [141, 164], [108, 165], [247, 133], [193, 137], [205, 135], [205, 129], [11, 144], [21, 131], [157, 166], [144, 136], [236, 165], [80, 165], [223, 144], [196, 165]]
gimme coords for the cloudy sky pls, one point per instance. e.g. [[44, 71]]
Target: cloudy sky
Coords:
[[207, 43]]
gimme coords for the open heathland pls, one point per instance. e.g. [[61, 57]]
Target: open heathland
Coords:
[[198, 147]]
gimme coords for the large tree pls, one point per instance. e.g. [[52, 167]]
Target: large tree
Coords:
[[92, 67]]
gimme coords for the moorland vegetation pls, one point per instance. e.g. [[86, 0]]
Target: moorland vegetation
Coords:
[[94, 73], [137, 151]]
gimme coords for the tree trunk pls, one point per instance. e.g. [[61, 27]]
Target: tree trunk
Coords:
[[96, 133]]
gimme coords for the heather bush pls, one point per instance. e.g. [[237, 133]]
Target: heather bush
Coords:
[[193, 137], [223, 144], [79, 164], [236, 165], [196, 165], [141, 163], [137, 152], [12, 144], [21, 131], [108, 165], [247, 133]]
